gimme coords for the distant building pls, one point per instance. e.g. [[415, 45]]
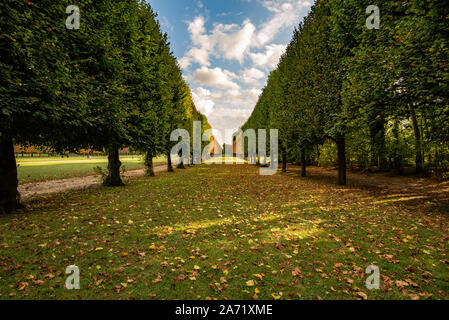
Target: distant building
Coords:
[[215, 149]]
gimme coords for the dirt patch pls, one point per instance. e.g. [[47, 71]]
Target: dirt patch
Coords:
[[33, 190]]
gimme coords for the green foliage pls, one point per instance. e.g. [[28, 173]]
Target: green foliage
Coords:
[[101, 172], [338, 80], [111, 84]]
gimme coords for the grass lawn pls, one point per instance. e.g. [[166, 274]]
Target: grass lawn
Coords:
[[60, 158], [42, 169], [224, 232]]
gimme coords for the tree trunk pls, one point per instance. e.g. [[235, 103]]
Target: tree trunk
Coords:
[[169, 164], [418, 147], [149, 163], [181, 162], [284, 160], [9, 196], [383, 163], [341, 147], [303, 163], [374, 130], [113, 179], [257, 160], [397, 156], [378, 145]]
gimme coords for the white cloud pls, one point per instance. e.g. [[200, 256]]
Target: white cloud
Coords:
[[286, 14], [201, 50], [202, 100], [254, 94], [196, 29], [185, 62], [216, 78], [233, 41], [229, 41], [230, 98], [270, 57], [252, 77], [200, 55], [253, 73]]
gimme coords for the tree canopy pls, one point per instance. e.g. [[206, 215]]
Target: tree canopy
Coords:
[[379, 94], [112, 83]]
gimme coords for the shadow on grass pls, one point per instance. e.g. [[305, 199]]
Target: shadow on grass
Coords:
[[428, 195]]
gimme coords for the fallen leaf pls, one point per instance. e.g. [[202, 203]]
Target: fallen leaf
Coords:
[[362, 295], [22, 286]]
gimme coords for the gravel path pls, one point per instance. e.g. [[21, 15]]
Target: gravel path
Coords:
[[36, 189]]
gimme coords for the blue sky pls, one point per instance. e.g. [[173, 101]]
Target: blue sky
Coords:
[[227, 49]]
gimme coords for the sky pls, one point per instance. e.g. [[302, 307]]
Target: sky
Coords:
[[226, 49]]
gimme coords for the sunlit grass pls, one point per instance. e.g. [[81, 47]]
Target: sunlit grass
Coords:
[[72, 159], [225, 232], [225, 160], [45, 169]]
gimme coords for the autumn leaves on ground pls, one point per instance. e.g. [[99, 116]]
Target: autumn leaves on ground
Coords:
[[225, 232]]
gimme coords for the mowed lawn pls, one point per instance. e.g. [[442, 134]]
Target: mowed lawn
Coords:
[[42, 169], [224, 232]]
